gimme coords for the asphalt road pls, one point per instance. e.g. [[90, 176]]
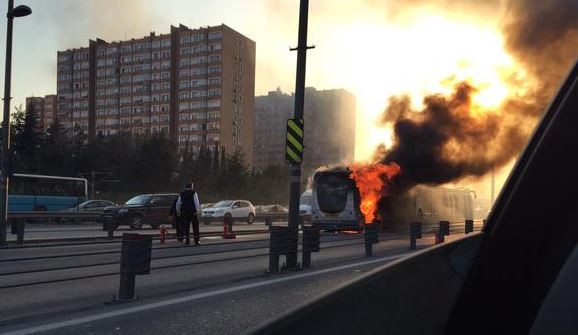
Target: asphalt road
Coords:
[[230, 308], [177, 271]]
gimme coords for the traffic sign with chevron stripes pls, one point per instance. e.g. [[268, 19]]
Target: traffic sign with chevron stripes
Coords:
[[294, 150]]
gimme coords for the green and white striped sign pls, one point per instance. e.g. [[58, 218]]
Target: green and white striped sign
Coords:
[[294, 151]]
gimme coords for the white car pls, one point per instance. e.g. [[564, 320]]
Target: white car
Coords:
[[236, 209]]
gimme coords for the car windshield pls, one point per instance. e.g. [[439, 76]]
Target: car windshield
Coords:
[[139, 200], [224, 203], [362, 119]]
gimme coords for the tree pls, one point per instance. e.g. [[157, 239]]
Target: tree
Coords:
[[156, 163], [26, 140], [215, 154], [56, 153]]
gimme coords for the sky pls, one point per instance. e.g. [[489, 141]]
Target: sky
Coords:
[[374, 49]]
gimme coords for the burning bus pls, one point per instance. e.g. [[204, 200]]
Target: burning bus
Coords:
[[345, 198]]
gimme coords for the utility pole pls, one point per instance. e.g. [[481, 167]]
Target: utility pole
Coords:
[[93, 184], [93, 174], [19, 11], [295, 169]]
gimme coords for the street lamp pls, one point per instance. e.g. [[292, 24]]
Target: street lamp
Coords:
[[19, 11]]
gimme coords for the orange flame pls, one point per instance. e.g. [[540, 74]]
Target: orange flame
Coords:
[[372, 182]]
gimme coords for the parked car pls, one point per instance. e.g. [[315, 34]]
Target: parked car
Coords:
[[271, 209], [236, 209], [149, 209], [90, 206]]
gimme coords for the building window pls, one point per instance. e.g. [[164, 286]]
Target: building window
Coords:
[[199, 71], [213, 115], [215, 35], [214, 81], [214, 58], [214, 103], [216, 92], [214, 46], [198, 94], [184, 84], [199, 60], [183, 106], [214, 69], [213, 126], [184, 95], [198, 83], [198, 104], [200, 48], [185, 39]]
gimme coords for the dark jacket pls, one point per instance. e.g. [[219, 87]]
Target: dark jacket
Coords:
[[188, 207]]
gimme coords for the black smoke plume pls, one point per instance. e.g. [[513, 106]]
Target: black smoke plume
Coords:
[[446, 142]]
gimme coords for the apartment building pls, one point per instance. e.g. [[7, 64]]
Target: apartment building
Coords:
[[45, 109], [195, 85], [329, 117]]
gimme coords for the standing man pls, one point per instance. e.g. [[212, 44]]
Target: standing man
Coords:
[[188, 208]]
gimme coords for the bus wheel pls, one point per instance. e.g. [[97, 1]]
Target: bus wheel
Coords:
[[136, 222]]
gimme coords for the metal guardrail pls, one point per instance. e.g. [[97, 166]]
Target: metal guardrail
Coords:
[[53, 215], [260, 217]]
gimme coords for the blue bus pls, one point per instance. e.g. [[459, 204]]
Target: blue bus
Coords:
[[32, 192]]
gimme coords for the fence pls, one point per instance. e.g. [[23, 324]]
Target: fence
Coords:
[[273, 247]]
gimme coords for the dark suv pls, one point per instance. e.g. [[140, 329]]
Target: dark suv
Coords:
[[149, 209]]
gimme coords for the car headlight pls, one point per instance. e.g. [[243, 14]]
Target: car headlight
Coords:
[[123, 210]]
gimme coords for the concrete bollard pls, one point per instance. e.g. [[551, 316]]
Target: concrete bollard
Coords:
[[415, 232], [135, 259], [311, 243], [469, 228], [443, 230], [278, 245], [371, 236]]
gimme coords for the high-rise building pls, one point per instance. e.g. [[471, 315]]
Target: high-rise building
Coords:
[[45, 109], [196, 85], [329, 117]]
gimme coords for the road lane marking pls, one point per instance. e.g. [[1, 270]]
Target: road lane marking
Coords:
[[165, 303]]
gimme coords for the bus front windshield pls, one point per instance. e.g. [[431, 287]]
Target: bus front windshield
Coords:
[[332, 191]]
